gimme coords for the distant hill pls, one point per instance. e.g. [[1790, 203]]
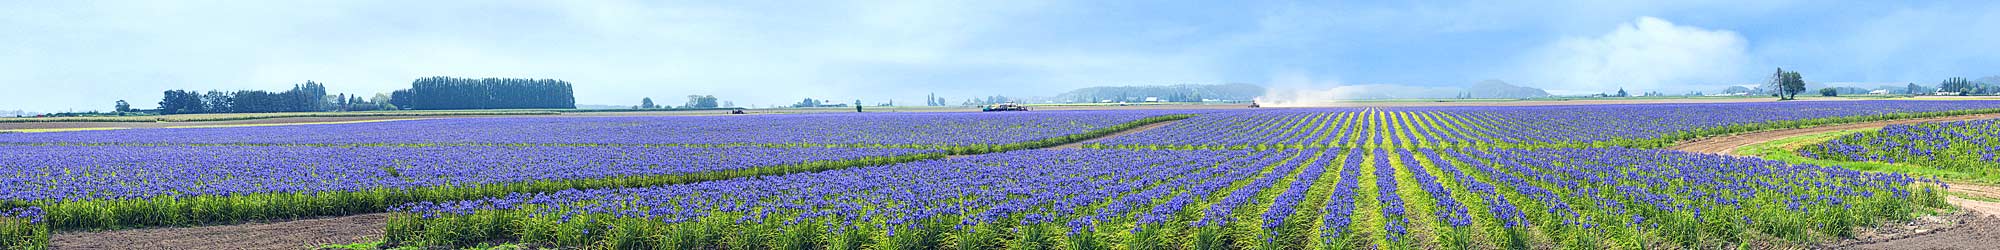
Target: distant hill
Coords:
[[1179, 92], [1500, 89]]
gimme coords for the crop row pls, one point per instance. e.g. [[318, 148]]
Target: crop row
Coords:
[[920, 129], [1382, 197], [74, 173], [93, 187], [1961, 146], [1645, 125], [109, 186]]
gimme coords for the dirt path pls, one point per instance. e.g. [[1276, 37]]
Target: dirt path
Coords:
[[1975, 228], [1079, 144], [1727, 144], [297, 234]]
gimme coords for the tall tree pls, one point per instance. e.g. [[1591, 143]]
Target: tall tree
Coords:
[[122, 107], [1956, 84], [489, 93], [1777, 84], [646, 103], [1794, 84], [701, 101]]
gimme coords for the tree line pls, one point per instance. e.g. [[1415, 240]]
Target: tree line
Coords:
[[440, 92], [307, 97], [425, 93]]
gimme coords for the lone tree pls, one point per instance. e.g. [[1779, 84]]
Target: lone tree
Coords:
[[647, 103], [123, 107], [1788, 84]]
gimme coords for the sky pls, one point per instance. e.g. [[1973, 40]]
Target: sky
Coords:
[[82, 55]]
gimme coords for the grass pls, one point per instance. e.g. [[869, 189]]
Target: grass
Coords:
[[355, 246], [378, 244], [1786, 150], [17, 233]]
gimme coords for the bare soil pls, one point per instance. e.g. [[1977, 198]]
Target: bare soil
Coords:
[[297, 234], [1974, 227], [1965, 229], [1079, 144], [1728, 144]]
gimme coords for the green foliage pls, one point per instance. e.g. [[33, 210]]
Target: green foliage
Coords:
[[16, 233], [1715, 225], [1963, 150], [307, 97], [702, 102], [1788, 83], [207, 210], [1672, 138], [1959, 85], [435, 93], [355, 246]]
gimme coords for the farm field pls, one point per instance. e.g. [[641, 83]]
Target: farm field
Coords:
[[1966, 147], [1568, 176]]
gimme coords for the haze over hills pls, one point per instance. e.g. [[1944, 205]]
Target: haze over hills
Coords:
[[1497, 89], [1492, 89], [1177, 92]]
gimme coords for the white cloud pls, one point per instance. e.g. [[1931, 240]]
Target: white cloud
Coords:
[[1645, 54], [1297, 89], [1922, 43]]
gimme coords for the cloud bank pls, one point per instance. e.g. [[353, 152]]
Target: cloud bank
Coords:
[[1648, 53]]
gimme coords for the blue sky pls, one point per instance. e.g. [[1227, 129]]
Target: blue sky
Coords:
[[82, 55]]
